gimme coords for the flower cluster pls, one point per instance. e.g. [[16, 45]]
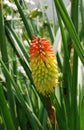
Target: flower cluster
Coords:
[[43, 65]]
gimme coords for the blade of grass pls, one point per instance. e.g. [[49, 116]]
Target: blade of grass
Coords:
[[66, 68], [5, 111], [82, 19], [3, 48]]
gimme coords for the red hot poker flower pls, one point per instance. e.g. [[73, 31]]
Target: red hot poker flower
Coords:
[[43, 65]]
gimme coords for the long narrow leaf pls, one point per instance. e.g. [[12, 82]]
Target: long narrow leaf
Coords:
[[74, 110], [25, 20], [67, 21]]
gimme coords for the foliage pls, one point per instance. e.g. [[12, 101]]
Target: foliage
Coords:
[[22, 107]]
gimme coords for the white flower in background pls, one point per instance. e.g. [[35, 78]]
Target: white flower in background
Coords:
[[11, 5], [9, 17], [18, 30], [80, 72], [21, 70], [25, 43], [30, 2], [2, 78]]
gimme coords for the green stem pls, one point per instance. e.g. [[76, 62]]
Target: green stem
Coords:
[[82, 19], [59, 61], [49, 30], [74, 111], [14, 66]]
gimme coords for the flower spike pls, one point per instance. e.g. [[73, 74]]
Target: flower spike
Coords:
[[43, 65]]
